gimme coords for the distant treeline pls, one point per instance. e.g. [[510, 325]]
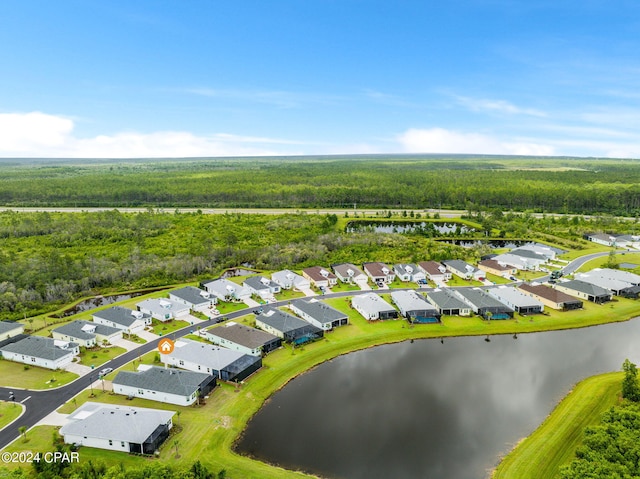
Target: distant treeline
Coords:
[[561, 185]]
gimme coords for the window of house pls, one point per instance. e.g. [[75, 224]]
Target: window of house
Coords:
[[110, 442]]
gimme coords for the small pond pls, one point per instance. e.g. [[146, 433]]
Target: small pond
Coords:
[[97, 301], [420, 227]]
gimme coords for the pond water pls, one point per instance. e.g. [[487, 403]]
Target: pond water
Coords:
[[430, 409], [97, 301], [408, 227]]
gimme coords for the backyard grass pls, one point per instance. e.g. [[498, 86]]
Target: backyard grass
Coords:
[[554, 443], [99, 355], [9, 411], [14, 374]]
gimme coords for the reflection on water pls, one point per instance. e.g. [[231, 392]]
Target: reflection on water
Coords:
[[430, 409]]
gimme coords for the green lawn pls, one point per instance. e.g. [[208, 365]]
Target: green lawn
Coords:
[[287, 294], [99, 355], [163, 328], [340, 287], [9, 411], [14, 374], [601, 262], [554, 443]]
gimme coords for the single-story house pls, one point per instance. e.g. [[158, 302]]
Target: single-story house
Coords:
[[616, 286], [618, 274], [601, 238], [373, 307], [129, 321], [168, 385], [414, 307], [523, 259], [40, 351], [463, 269], [447, 303], [225, 290], [435, 271], [320, 277], [318, 313], [517, 300], [222, 363], [86, 333], [287, 279], [484, 305], [9, 329], [163, 309], [261, 286], [497, 267], [539, 249], [288, 327], [409, 272], [550, 297], [118, 428], [243, 339], [379, 272], [349, 273], [197, 299], [584, 290]]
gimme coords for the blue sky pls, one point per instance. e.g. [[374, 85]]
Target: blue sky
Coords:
[[216, 78]]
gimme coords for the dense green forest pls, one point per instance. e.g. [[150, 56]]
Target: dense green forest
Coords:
[[612, 449], [561, 185], [49, 259]]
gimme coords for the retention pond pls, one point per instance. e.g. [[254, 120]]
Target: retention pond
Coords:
[[430, 408]]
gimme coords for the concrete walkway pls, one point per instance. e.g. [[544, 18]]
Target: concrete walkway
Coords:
[[252, 303], [148, 335], [54, 419], [125, 343], [77, 368]]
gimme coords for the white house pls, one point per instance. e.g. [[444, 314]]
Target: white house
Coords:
[[163, 309], [318, 313], [10, 329], [263, 287], [196, 298], [168, 385], [349, 273], [379, 272], [287, 279], [86, 333], [372, 307], [409, 272], [40, 351], [435, 271], [243, 338], [517, 300], [415, 307], [226, 290], [320, 277], [129, 321], [463, 269], [118, 428]]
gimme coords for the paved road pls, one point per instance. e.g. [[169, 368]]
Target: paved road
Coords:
[[42, 402]]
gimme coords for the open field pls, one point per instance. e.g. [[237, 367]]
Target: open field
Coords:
[[554, 443]]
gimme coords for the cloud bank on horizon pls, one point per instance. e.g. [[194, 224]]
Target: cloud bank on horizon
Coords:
[[122, 80]]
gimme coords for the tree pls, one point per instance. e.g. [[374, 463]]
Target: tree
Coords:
[[630, 387], [23, 433]]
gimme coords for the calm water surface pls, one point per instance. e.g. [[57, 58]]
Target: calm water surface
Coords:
[[429, 409]]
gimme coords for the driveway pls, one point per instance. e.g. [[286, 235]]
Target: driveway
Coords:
[[54, 419], [77, 368], [363, 285], [148, 335], [124, 343], [252, 303], [308, 291]]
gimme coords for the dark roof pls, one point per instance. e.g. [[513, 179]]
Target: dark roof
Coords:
[[493, 264], [120, 315], [548, 293], [257, 283], [6, 326], [74, 329], [38, 347], [480, 299], [318, 310], [315, 273], [584, 287], [191, 295], [343, 269], [445, 300], [282, 321], [377, 268], [243, 335], [432, 267], [459, 265], [172, 381]]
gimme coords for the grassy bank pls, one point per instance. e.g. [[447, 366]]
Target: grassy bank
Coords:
[[554, 443], [23, 376], [9, 411]]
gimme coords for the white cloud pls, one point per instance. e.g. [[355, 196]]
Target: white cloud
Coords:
[[497, 106], [440, 140], [41, 135]]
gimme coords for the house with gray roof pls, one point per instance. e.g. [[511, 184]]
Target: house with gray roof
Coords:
[[409, 272], [447, 303], [517, 300], [223, 363], [163, 309], [463, 270], [484, 305], [616, 286], [287, 279], [288, 327], [127, 429], [40, 351], [415, 307], [318, 313], [86, 333], [168, 385], [584, 290], [263, 287], [349, 273], [129, 321], [601, 238], [550, 297], [195, 298], [226, 290], [244, 339], [9, 329], [372, 307]]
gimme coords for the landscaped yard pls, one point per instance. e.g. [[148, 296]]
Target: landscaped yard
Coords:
[[8, 412], [97, 356], [20, 375], [167, 327]]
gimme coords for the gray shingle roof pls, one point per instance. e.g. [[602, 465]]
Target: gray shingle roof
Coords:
[[171, 381], [444, 300], [371, 303], [480, 299], [6, 326], [411, 301], [38, 347], [191, 295], [118, 423], [119, 315], [213, 357], [260, 283], [321, 312], [243, 335], [281, 321], [585, 287], [74, 329]]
